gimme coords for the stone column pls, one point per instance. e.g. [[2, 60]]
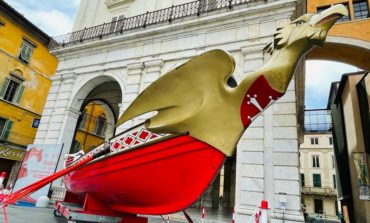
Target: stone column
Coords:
[[211, 197], [227, 182], [64, 119], [267, 155], [250, 175], [286, 159], [43, 129], [134, 76], [152, 72]]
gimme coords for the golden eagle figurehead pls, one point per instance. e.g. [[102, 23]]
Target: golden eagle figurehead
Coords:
[[194, 98]]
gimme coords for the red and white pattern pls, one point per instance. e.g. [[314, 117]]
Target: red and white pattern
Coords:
[[124, 141], [133, 138], [259, 97]]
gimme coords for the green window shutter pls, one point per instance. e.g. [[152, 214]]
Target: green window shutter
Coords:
[[4, 87], [316, 180], [96, 125], [29, 53], [7, 128], [18, 94]]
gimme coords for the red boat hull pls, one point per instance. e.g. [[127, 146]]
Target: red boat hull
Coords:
[[161, 178]]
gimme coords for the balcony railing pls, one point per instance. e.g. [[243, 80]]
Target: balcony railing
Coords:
[[327, 191], [195, 8], [317, 120]]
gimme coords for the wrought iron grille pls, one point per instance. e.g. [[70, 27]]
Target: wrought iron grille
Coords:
[[317, 120], [170, 14]]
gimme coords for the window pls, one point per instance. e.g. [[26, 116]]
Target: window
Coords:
[[343, 19], [100, 124], [316, 161], [334, 182], [331, 140], [316, 180], [117, 23], [76, 146], [83, 117], [113, 24], [318, 206], [26, 51], [302, 180], [5, 126], [314, 141], [12, 90], [360, 9], [332, 161]]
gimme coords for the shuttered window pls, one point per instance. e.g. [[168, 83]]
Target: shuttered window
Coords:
[[100, 125], [5, 127], [11, 90], [26, 51], [316, 180]]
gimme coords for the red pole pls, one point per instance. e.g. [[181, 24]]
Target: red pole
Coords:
[[11, 198], [233, 220], [203, 214]]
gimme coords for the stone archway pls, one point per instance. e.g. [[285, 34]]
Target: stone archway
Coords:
[[63, 107], [346, 50]]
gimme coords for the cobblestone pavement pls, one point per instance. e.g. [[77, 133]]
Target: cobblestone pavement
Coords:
[[18, 214]]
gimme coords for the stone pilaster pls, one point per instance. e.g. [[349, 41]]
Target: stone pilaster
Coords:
[[49, 108], [60, 107], [152, 72], [250, 176], [267, 158], [134, 77]]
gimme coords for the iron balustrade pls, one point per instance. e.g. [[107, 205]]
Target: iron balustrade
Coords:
[[170, 14]]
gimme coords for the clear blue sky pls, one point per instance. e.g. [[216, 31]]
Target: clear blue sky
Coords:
[[319, 76], [56, 17]]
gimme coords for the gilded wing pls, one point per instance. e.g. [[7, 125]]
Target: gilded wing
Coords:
[[181, 93]]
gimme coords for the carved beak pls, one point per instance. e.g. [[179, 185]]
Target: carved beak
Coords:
[[325, 20]]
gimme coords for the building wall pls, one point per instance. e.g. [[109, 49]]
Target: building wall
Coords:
[[355, 141], [327, 192], [95, 12], [348, 41], [267, 155], [355, 28], [36, 81]]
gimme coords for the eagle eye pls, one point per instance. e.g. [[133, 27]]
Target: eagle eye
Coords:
[[300, 22]]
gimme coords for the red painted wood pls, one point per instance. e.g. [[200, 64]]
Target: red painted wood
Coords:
[[158, 179]]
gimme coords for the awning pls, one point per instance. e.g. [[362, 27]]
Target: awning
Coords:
[[11, 153]]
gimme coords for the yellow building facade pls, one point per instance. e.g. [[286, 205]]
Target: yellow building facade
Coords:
[[26, 67], [348, 40], [92, 127]]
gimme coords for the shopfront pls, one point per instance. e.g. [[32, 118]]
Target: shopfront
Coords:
[[10, 161]]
